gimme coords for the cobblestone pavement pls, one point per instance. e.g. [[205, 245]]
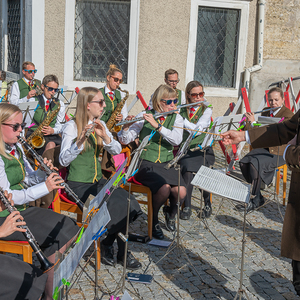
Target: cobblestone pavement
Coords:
[[202, 268]]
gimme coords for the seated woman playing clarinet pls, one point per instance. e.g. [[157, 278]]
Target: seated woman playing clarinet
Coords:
[[52, 231], [260, 164], [156, 155], [18, 280], [198, 116], [80, 154]]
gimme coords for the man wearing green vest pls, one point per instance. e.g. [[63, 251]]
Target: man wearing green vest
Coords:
[[171, 79], [25, 88]]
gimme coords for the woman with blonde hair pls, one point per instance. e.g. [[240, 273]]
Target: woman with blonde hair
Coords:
[[157, 153], [80, 155]]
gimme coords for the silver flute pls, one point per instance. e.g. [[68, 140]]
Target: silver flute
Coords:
[[89, 131], [45, 263], [156, 116], [48, 171]]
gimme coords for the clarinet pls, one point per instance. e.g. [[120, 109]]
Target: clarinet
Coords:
[[48, 171], [45, 263]]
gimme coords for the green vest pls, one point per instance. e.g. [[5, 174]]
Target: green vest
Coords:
[[14, 170], [158, 149], [110, 105], [195, 118], [178, 96], [25, 88], [86, 167], [40, 113]]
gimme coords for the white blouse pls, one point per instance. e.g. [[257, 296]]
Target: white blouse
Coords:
[[173, 136], [69, 149]]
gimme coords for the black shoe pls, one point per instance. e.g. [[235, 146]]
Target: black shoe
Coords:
[[157, 232], [185, 214], [206, 211], [170, 223], [131, 262], [107, 255], [251, 206], [261, 200]]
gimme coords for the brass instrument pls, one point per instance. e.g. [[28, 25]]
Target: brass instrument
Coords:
[[37, 88], [112, 120], [36, 139], [45, 263], [157, 115]]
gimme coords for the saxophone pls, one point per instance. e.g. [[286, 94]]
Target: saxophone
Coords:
[[112, 120], [36, 139]]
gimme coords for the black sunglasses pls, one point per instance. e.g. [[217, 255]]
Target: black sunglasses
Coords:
[[50, 89], [16, 126]]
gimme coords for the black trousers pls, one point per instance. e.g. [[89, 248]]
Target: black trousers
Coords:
[[296, 275]]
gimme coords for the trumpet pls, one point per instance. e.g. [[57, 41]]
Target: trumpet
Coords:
[[48, 171], [45, 263], [157, 115]]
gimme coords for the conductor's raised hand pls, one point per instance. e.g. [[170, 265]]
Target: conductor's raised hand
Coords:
[[53, 182], [233, 137]]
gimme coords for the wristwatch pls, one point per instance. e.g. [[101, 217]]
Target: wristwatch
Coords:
[[159, 126]]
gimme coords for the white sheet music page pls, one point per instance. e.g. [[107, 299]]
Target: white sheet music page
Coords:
[[221, 184]]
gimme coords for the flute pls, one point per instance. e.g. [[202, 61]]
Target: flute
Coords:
[[156, 116], [89, 131], [45, 263], [48, 171]]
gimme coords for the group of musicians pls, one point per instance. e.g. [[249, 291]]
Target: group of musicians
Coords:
[[81, 141]]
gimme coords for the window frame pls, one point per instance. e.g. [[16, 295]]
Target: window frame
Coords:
[[132, 50], [243, 6]]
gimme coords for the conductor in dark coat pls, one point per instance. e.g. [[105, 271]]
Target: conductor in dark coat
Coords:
[[275, 135]]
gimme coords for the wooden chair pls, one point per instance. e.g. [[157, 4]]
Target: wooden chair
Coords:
[[278, 173], [17, 247]]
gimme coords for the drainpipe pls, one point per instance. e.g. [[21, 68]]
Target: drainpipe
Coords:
[[260, 45]]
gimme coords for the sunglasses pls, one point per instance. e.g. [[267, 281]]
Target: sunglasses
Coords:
[[16, 126], [173, 81], [195, 95], [99, 102], [50, 89], [116, 79], [168, 102], [30, 71]]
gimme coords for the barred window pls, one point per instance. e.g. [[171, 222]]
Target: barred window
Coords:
[[217, 46], [101, 38], [13, 35]]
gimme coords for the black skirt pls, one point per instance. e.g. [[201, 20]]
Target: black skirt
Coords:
[[19, 280], [116, 203], [154, 175], [264, 162], [193, 161], [51, 230]]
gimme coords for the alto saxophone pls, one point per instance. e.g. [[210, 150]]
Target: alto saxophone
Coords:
[[36, 139], [112, 120]]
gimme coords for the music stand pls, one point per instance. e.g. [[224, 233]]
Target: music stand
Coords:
[[28, 109], [221, 184]]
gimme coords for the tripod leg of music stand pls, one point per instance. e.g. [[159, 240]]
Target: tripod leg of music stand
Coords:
[[96, 271]]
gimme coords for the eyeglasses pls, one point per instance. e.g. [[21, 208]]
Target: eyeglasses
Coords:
[[50, 89], [116, 79], [30, 71], [16, 126], [173, 81], [168, 102], [99, 102], [195, 95]]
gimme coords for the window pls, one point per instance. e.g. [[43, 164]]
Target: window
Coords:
[[218, 34], [104, 33]]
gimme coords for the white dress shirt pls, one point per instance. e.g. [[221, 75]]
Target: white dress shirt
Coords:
[[203, 122], [124, 110], [173, 136], [15, 94], [60, 116], [34, 179], [69, 149]]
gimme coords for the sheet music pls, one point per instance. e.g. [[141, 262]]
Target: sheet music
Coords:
[[96, 202], [221, 184], [70, 263], [27, 109], [134, 160], [267, 120]]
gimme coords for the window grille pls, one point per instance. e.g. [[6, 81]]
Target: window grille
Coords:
[[216, 46], [101, 38], [13, 35]]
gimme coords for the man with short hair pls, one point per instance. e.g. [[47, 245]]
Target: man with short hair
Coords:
[[172, 79], [24, 90]]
